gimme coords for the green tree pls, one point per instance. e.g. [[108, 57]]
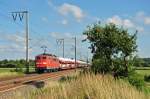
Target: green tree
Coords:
[[138, 62], [111, 46]]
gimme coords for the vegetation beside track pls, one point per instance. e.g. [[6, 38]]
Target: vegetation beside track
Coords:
[[89, 86], [12, 72], [13, 68], [5, 75], [144, 74], [83, 86]]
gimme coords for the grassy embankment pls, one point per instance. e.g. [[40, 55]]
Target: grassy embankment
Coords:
[[7, 72], [89, 86], [143, 71], [10, 72]]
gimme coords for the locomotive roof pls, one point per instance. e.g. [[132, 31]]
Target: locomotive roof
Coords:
[[47, 54]]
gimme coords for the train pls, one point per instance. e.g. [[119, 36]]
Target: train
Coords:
[[49, 63]]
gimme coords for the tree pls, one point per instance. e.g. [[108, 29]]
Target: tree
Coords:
[[111, 46], [138, 62]]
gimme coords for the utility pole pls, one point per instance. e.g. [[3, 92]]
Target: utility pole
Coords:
[[87, 60], [61, 41], [75, 50], [20, 14]]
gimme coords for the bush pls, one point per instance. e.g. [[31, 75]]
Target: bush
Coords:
[[67, 78], [137, 81], [99, 66], [147, 78], [18, 70]]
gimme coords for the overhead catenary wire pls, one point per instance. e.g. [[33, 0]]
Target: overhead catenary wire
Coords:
[[21, 25], [35, 42], [39, 36]]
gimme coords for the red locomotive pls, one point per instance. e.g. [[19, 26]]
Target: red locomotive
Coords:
[[49, 62]]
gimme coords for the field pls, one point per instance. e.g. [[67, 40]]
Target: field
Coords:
[[6, 70], [143, 72], [10, 72], [12, 69]]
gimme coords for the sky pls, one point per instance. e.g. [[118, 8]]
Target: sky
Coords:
[[50, 20]]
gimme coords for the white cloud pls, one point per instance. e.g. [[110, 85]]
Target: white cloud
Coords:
[[140, 29], [115, 19], [140, 14], [119, 21], [127, 23], [67, 9], [13, 38], [44, 19], [142, 17], [64, 22], [11, 48], [55, 35], [16, 39], [50, 3], [68, 35], [147, 20], [14, 42]]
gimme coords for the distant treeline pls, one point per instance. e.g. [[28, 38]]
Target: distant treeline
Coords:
[[139, 62], [15, 63], [142, 62]]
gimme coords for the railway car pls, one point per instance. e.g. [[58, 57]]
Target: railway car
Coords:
[[67, 63], [48, 62], [82, 64]]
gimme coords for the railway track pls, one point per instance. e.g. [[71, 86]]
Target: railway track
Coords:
[[11, 84]]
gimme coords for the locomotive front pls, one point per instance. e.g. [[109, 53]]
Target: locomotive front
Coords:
[[46, 62]]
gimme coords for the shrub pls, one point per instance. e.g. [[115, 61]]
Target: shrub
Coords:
[[99, 66], [67, 78], [18, 70], [137, 81], [147, 78]]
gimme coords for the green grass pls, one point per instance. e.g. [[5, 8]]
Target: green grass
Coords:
[[142, 68], [11, 69], [143, 72], [10, 72], [6, 69]]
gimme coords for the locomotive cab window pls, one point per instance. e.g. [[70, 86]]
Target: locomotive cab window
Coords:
[[44, 57], [54, 59], [38, 58]]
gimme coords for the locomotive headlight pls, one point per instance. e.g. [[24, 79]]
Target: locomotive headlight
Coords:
[[37, 63], [44, 62]]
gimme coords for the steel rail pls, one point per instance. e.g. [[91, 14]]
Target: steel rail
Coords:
[[12, 84]]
